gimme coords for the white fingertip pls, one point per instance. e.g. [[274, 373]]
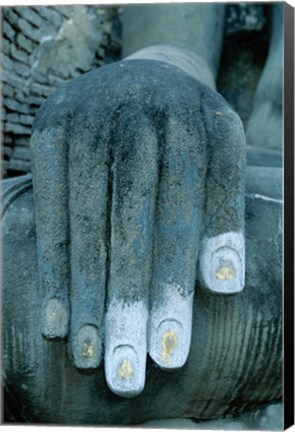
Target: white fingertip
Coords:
[[126, 347], [170, 328], [222, 263], [86, 348], [55, 319]]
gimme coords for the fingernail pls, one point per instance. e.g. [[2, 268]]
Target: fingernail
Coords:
[[125, 347], [222, 263], [87, 348], [55, 319], [170, 330], [226, 273], [125, 376], [170, 345]]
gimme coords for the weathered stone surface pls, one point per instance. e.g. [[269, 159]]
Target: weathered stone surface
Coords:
[[251, 196], [41, 90], [203, 26], [184, 195], [22, 70], [7, 151], [24, 43], [55, 80], [19, 165], [243, 56], [245, 17], [265, 127], [239, 73], [17, 128], [4, 165], [8, 139], [11, 16], [26, 119], [21, 141], [66, 11], [7, 90], [257, 156], [19, 55], [16, 106], [86, 30], [21, 153], [20, 96], [228, 370], [28, 30], [269, 417], [12, 117], [7, 63], [35, 100], [9, 32], [39, 77], [14, 80], [6, 46], [50, 15], [24, 29], [31, 16]]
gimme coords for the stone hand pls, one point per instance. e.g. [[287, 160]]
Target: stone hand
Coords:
[[138, 174]]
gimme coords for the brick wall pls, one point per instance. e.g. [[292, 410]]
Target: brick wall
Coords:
[[42, 48]]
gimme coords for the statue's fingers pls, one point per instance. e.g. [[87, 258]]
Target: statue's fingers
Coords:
[[132, 212], [49, 166], [88, 180], [178, 220], [222, 258]]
